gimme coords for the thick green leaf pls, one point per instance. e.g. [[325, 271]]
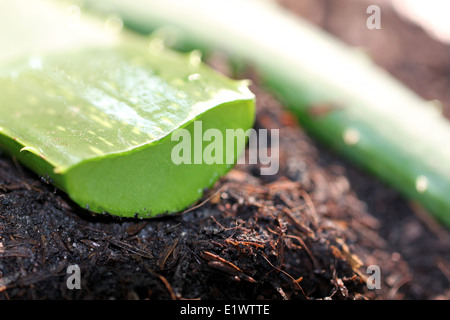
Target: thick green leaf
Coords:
[[97, 119]]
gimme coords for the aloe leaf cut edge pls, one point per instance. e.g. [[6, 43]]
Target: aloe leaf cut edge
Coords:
[[97, 120]]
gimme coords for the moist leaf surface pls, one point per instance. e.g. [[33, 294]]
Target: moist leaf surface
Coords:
[[93, 112], [75, 106]]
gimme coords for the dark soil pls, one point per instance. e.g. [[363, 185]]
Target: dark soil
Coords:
[[309, 232]]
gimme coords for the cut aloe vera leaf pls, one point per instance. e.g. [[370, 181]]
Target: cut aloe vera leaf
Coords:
[[96, 116], [338, 93]]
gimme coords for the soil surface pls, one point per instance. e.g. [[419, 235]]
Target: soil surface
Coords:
[[309, 232]]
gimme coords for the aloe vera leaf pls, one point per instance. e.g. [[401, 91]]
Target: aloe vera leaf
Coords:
[[369, 117], [95, 112]]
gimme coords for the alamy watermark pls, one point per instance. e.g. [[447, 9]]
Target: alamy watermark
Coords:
[[374, 280], [212, 146], [374, 20], [74, 279]]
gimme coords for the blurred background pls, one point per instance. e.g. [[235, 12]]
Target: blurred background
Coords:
[[412, 43]]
